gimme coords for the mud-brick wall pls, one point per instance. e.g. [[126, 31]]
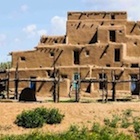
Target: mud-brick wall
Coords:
[[133, 28], [104, 34], [96, 15], [101, 55], [82, 32]]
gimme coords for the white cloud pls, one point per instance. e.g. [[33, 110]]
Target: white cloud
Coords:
[[58, 25], [131, 6], [2, 39], [42, 32], [32, 31], [24, 8]]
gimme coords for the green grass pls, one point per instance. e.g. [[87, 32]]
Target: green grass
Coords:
[[73, 133]]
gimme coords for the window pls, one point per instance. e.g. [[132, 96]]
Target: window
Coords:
[[76, 57], [107, 65], [52, 54], [134, 83], [22, 58], [112, 16], [64, 75], [136, 65], [101, 76], [87, 53], [112, 35], [117, 55], [33, 83]]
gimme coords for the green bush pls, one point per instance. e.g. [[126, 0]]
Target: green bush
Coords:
[[136, 125], [125, 123], [29, 119], [53, 116], [112, 122], [38, 116], [127, 113], [96, 128]]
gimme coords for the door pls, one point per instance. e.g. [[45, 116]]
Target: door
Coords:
[[134, 83], [33, 83], [76, 77]]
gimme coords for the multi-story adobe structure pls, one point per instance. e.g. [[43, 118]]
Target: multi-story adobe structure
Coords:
[[95, 43]]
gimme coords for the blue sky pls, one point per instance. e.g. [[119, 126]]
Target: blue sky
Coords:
[[22, 22]]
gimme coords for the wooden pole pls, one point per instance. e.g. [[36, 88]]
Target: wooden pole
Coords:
[[58, 86], [113, 86], [139, 81], [102, 81], [16, 82], [76, 92], [7, 87], [106, 89], [55, 81]]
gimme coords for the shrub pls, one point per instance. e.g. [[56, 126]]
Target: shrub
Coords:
[[127, 113], [53, 116], [125, 123], [38, 116], [136, 125], [29, 119], [96, 127], [112, 123]]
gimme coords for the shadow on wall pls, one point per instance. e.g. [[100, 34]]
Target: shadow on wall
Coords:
[[27, 94]]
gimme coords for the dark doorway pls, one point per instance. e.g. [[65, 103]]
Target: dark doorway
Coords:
[[33, 83], [112, 35], [134, 84], [117, 55], [76, 57]]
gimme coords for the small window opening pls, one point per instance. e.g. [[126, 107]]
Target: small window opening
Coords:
[[107, 65], [55, 41], [136, 65], [112, 35], [76, 57], [112, 24], [64, 75], [87, 52], [22, 58], [135, 43], [52, 54], [120, 31], [112, 16], [117, 55]]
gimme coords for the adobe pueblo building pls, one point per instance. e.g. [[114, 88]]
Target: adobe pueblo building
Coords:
[[97, 46]]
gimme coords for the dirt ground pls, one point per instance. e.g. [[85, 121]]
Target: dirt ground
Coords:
[[82, 114]]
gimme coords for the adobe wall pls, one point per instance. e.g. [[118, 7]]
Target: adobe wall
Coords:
[[96, 15]]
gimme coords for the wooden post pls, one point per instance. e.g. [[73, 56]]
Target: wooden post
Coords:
[[76, 92], [139, 81], [106, 89], [58, 86], [16, 82], [102, 81], [7, 85], [55, 80], [113, 86]]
